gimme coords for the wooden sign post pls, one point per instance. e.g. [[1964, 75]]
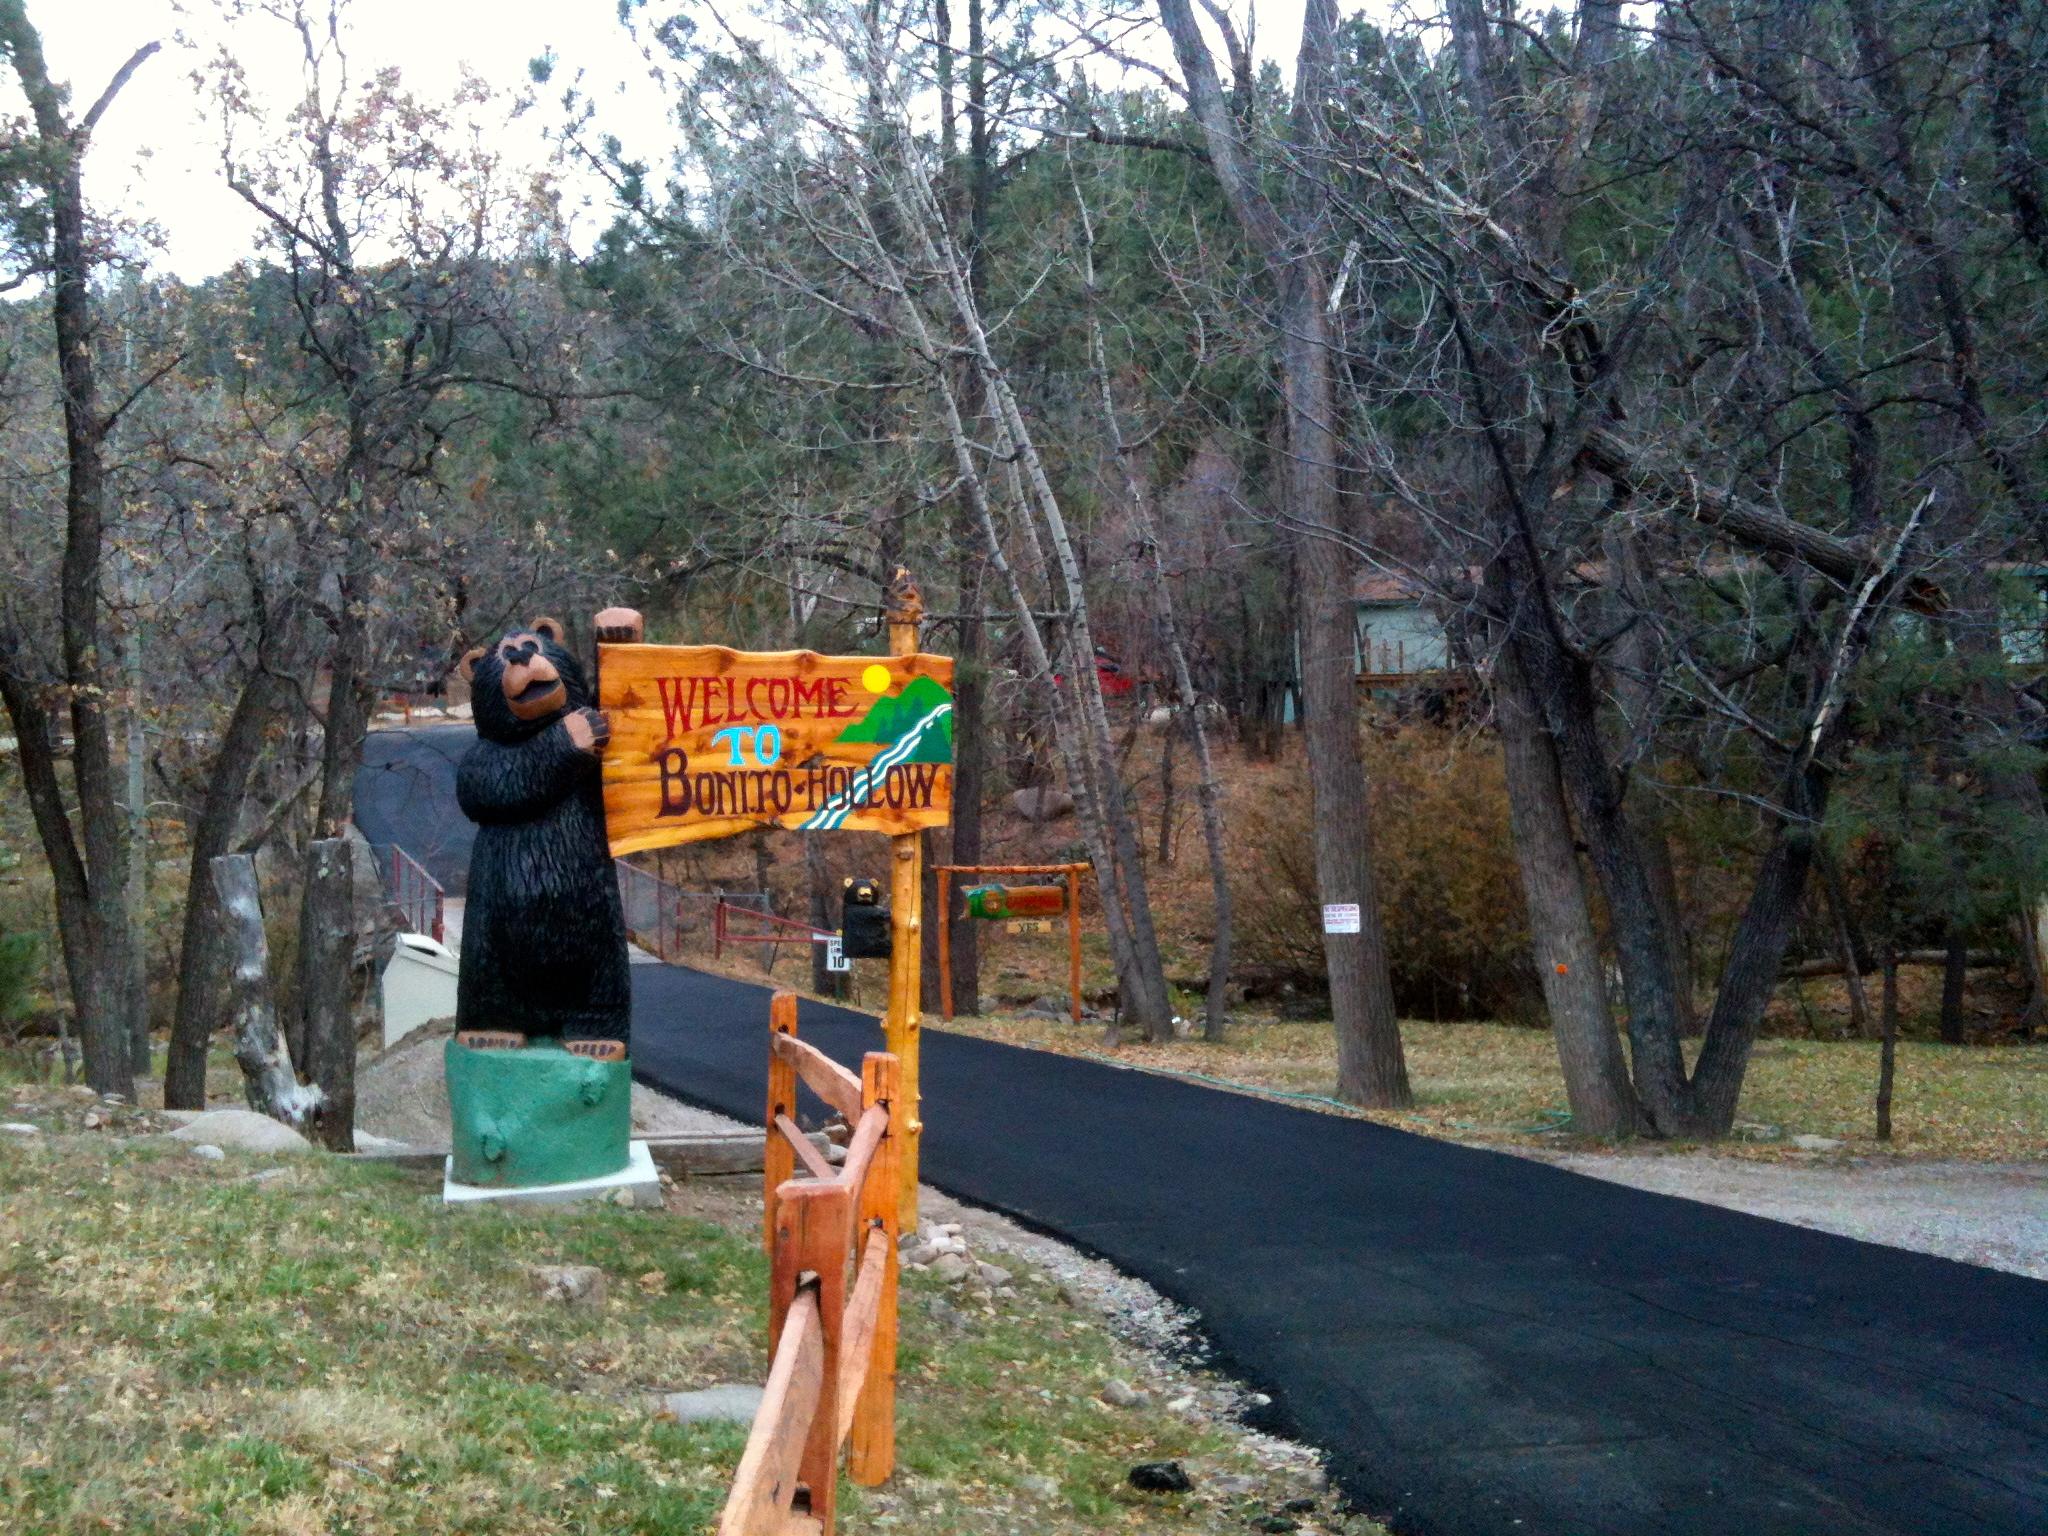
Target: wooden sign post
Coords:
[[902, 1024], [707, 742], [1070, 901]]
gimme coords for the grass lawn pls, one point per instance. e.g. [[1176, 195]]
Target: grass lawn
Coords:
[[1488, 1082], [188, 1348]]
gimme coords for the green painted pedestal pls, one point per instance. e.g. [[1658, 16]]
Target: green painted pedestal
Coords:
[[537, 1116]]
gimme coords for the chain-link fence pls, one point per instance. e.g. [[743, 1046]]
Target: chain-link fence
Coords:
[[674, 924]]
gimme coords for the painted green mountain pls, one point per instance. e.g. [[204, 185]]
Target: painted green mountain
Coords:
[[890, 718]]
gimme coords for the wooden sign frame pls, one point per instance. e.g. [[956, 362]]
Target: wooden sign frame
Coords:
[[707, 742], [818, 736], [946, 872]]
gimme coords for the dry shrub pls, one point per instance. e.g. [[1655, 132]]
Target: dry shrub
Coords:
[[1450, 896]]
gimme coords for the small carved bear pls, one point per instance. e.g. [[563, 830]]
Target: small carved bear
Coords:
[[543, 936], [864, 932]]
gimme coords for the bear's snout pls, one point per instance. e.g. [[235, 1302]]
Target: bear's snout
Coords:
[[533, 687]]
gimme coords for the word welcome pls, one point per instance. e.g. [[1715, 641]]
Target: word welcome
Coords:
[[779, 791], [689, 703]]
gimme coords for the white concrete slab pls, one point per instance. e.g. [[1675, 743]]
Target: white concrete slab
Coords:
[[639, 1178]]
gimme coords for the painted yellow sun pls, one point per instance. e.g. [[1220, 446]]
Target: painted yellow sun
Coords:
[[875, 679]]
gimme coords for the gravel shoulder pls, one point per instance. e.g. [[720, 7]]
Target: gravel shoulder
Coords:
[[1993, 1214]]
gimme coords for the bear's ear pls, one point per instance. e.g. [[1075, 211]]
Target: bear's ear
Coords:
[[849, 882], [551, 630], [466, 668]]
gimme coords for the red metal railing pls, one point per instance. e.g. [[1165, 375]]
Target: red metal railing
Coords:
[[417, 896], [672, 923], [780, 930]]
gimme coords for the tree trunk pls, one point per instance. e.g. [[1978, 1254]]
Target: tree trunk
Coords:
[[1887, 1052], [1164, 857], [112, 1010], [1371, 1069], [267, 1078], [1855, 955], [330, 1027], [1083, 725], [1634, 674], [203, 956], [1370, 1066], [970, 757], [1567, 951], [969, 210], [1755, 955], [346, 725], [1066, 736], [1954, 972]]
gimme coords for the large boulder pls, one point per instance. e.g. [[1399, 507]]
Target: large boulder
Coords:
[[1041, 804], [241, 1130]]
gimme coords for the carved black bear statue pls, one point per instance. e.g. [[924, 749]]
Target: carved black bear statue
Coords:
[[543, 937]]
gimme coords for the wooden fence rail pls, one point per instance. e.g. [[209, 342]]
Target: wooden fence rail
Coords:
[[832, 1383]]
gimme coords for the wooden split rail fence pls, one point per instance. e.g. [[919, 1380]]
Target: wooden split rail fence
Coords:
[[832, 1340]]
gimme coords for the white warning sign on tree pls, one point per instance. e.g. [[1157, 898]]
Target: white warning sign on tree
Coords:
[[1340, 917]]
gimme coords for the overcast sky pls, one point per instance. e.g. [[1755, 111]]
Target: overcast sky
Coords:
[[156, 155]]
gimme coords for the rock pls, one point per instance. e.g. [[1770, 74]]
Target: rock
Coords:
[[367, 1142], [1276, 1523], [1257, 1400], [1042, 804], [243, 1130], [920, 1253], [209, 1151], [1187, 1407], [835, 1154], [1298, 1506], [1039, 1486], [992, 1274], [578, 1285], [1121, 1394], [952, 1267], [1160, 1477], [1046, 1008], [1074, 1296], [1815, 1143], [265, 1176], [20, 1128], [1234, 1484], [728, 1404], [947, 1228]]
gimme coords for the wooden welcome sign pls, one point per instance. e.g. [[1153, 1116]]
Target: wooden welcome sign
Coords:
[[707, 742]]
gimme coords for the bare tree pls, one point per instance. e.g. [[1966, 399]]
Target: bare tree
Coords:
[[1370, 1066], [88, 850], [409, 256]]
